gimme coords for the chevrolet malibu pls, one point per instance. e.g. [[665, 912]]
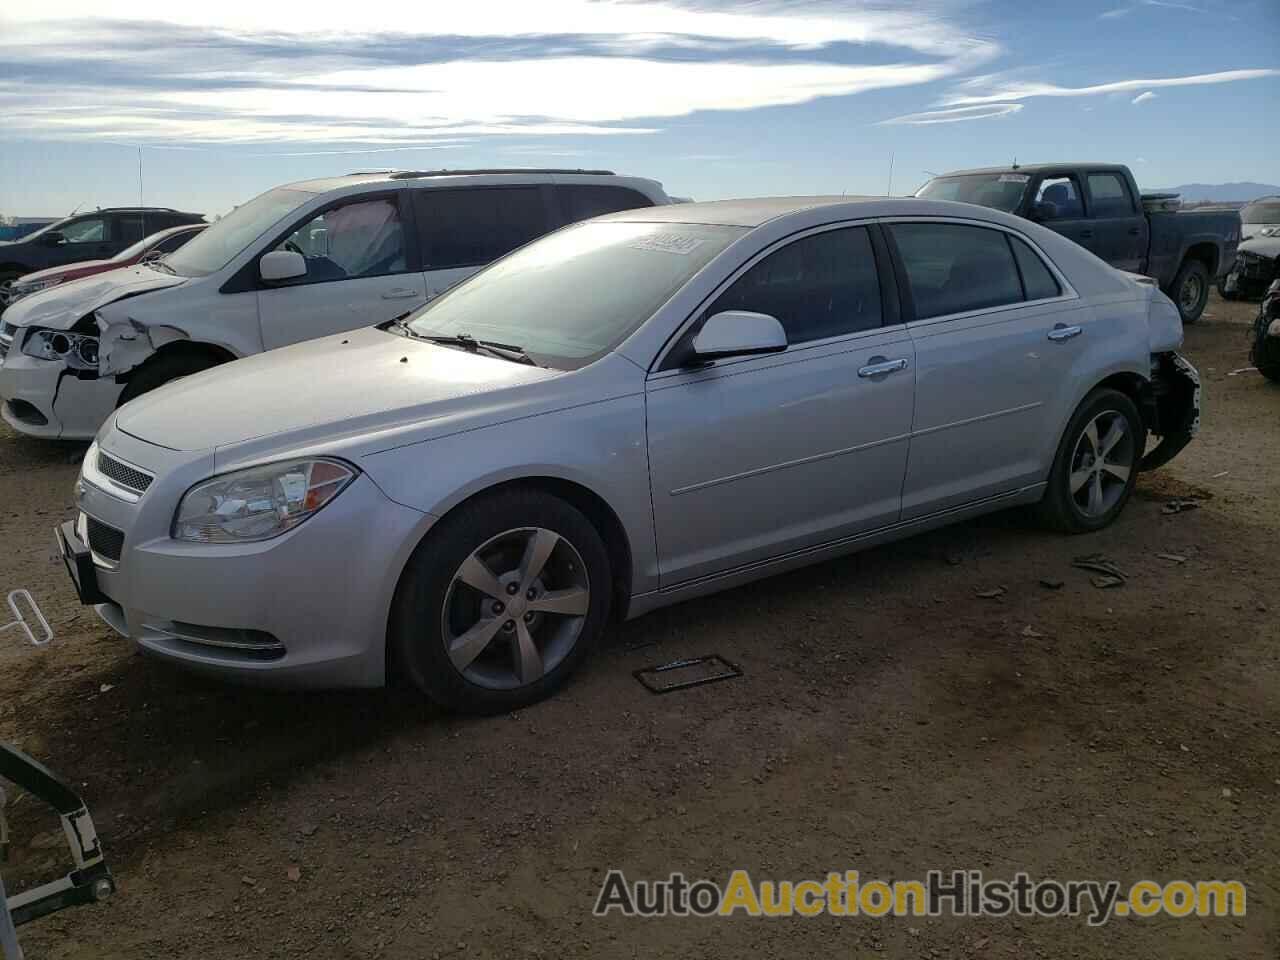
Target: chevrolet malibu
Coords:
[[632, 411]]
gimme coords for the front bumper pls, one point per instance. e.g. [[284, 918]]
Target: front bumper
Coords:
[[1172, 407], [42, 398], [307, 608]]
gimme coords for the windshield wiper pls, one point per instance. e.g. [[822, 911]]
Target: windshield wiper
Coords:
[[506, 351]]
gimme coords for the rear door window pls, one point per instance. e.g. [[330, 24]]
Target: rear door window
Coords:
[[954, 268], [1061, 199], [1109, 196], [132, 228], [819, 286], [1037, 282], [475, 226], [585, 200]]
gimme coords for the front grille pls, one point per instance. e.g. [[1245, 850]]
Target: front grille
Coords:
[[7, 332], [106, 541], [123, 474]]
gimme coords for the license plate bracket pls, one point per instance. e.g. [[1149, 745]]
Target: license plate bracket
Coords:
[[79, 563]]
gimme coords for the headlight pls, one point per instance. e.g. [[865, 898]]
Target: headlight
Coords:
[[258, 503], [18, 289], [78, 350]]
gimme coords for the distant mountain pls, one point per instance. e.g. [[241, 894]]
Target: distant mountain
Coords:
[[1221, 192]]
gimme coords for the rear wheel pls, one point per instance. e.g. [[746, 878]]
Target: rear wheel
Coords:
[[1096, 465], [162, 369], [1191, 290], [501, 602], [1226, 294]]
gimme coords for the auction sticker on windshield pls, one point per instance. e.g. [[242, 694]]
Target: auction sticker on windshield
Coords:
[[668, 243]]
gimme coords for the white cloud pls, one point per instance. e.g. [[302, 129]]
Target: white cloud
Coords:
[[583, 67], [1143, 97], [993, 90], [957, 114]]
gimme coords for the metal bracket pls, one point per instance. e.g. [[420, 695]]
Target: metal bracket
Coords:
[[19, 622], [720, 669]]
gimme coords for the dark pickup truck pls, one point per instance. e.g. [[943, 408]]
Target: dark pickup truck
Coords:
[[1099, 207]]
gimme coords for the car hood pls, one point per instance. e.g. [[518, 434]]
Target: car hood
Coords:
[[85, 268], [344, 384], [1263, 246], [61, 307]]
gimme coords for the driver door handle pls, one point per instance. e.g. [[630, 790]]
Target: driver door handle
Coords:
[[1060, 333], [880, 366], [400, 293]]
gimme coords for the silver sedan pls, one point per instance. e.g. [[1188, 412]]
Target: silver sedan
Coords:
[[627, 413]]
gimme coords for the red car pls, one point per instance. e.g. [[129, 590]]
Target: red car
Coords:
[[156, 245]]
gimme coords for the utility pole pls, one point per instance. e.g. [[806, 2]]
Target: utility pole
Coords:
[[140, 203], [889, 191]]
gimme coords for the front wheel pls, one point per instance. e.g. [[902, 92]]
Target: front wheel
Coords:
[[1191, 290], [162, 369], [501, 602], [1096, 465]]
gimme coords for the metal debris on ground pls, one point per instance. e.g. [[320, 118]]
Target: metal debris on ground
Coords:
[[696, 671], [992, 594], [1178, 505], [1236, 373], [1099, 563], [1172, 557], [1032, 633], [1105, 582], [1051, 584]]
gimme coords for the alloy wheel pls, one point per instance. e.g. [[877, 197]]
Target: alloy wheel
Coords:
[[515, 608], [1101, 463]]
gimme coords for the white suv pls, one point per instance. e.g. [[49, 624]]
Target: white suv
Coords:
[[300, 261]]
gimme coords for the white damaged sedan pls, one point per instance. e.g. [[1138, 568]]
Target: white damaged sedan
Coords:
[[632, 411]]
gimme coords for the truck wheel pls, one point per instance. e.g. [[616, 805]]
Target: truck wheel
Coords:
[[1226, 294], [158, 371], [1191, 290]]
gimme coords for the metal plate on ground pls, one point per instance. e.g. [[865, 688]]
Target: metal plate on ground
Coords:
[[686, 673]]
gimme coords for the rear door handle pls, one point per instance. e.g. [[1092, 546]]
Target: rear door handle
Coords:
[[879, 366], [400, 293], [1060, 333]]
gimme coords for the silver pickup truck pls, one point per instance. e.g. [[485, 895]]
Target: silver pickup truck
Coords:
[[1098, 205]]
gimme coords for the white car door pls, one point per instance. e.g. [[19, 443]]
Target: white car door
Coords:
[[359, 273]]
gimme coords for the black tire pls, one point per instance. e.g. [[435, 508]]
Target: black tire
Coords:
[[1226, 294], [1190, 290], [1059, 509], [1270, 370], [162, 369], [416, 638]]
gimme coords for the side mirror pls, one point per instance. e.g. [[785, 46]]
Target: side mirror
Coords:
[[738, 333], [1043, 210], [281, 265], [52, 239]]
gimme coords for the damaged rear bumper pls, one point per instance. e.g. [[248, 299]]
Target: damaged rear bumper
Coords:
[[1171, 407]]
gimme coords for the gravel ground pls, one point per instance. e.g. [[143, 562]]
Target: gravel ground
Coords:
[[890, 720]]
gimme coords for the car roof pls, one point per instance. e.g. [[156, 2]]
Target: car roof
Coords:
[[1034, 168], [756, 212], [479, 176]]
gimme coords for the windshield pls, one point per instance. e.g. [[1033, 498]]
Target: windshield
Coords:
[[572, 296], [136, 249], [1263, 211], [56, 225], [1000, 191], [214, 247]]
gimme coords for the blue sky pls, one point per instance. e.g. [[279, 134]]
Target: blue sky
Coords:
[[715, 99]]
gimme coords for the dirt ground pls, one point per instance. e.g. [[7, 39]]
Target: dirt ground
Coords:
[[890, 720]]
